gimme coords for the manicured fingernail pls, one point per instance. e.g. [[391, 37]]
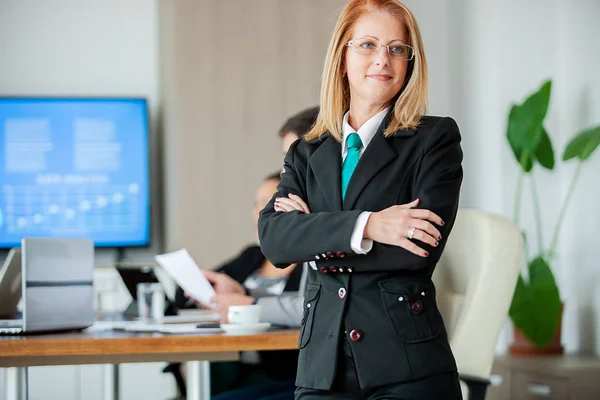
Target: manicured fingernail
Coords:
[[440, 237], [442, 223], [426, 254], [292, 194], [436, 244]]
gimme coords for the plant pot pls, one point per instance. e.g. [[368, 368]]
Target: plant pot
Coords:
[[523, 346]]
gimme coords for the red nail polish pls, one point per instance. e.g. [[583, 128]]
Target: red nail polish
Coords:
[[440, 237], [436, 244], [426, 254], [442, 223]]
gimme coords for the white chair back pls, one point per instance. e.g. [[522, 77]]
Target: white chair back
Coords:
[[475, 281]]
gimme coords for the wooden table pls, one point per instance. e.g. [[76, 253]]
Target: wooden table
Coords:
[[115, 347]]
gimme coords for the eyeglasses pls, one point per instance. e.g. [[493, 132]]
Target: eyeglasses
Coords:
[[369, 46]]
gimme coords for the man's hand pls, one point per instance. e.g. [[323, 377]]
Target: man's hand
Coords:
[[224, 300], [223, 283]]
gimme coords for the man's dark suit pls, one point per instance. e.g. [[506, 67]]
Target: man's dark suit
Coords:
[[384, 300]]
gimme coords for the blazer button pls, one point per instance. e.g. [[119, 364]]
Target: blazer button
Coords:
[[342, 293], [349, 270], [317, 257], [356, 335], [333, 269], [323, 269], [330, 254], [341, 269], [341, 254], [416, 306]]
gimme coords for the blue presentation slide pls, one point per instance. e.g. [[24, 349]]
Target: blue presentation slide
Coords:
[[74, 168]]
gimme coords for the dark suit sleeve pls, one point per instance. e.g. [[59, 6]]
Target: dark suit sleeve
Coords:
[[241, 266], [294, 237], [437, 185]]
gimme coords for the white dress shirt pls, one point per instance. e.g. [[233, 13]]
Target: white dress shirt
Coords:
[[367, 131]]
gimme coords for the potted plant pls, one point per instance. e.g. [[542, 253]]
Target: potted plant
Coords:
[[536, 307]]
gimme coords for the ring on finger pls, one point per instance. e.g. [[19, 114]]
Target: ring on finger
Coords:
[[411, 232]]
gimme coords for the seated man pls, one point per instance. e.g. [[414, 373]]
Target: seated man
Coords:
[[248, 279], [251, 279], [283, 310]]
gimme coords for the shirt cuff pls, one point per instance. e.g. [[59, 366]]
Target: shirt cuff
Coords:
[[358, 244], [313, 265]]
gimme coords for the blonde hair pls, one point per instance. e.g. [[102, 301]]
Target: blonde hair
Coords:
[[411, 102]]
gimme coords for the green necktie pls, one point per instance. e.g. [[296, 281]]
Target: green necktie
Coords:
[[354, 146]]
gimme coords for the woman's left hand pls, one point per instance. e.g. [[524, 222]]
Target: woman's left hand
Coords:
[[291, 203]]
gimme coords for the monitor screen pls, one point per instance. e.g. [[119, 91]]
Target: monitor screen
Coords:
[[74, 167]]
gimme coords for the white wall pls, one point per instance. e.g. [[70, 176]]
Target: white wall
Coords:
[[86, 47], [577, 106], [506, 50]]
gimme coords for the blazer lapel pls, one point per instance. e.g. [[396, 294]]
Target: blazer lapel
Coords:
[[377, 155], [326, 164]]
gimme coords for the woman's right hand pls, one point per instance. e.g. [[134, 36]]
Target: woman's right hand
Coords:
[[392, 225]]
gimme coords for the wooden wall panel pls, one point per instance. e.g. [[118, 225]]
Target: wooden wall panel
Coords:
[[231, 73]]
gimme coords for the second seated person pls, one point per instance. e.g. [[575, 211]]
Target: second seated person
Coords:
[[251, 278]]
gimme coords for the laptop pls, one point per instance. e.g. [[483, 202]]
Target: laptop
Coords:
[[10, 284], [56, 285]]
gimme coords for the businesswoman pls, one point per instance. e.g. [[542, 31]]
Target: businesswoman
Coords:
[[370, 196]]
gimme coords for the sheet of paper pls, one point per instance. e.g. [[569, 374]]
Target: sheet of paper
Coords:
[[211, 316], [106, 326], [182, 267], [177, 328], [188, 328]]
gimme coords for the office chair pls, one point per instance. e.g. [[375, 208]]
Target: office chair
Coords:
[[475, 280]]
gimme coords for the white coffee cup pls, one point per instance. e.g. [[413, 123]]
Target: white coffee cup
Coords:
[[244, 314]]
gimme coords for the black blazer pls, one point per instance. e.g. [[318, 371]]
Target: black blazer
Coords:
[[385, 300], [277, 364]]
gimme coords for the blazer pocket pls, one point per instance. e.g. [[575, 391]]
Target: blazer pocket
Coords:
[[311, 297], [411, 308]]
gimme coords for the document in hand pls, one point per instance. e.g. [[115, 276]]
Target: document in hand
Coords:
[[184, 270]]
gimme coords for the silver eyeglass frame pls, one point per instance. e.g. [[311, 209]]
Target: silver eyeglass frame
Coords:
[[379, 46]]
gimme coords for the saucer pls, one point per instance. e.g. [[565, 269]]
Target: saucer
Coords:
[[246, 329]]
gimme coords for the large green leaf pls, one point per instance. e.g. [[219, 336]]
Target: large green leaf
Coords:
[[583, 145], [525, 125], [523, 157], [544, 152], [535, 307]]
